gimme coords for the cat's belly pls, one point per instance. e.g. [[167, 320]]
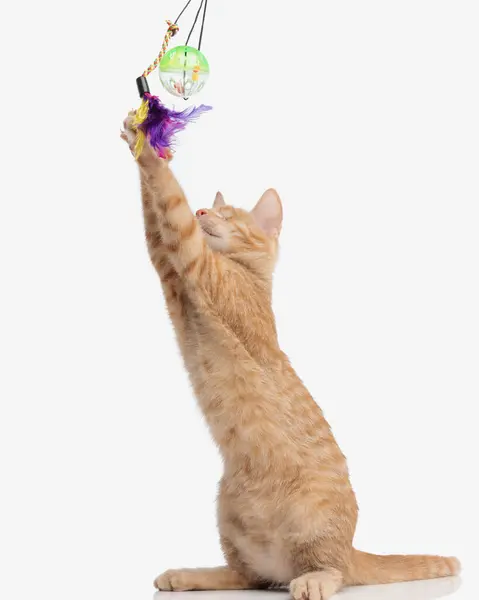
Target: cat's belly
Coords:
[[255, 524], [270, 559]]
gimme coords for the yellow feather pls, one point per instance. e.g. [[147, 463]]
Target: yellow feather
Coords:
[[141, 114], [138, 119], [140, 142]]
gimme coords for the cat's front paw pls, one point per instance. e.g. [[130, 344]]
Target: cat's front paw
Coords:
[[172, 580], [129, 135], [320, 585]]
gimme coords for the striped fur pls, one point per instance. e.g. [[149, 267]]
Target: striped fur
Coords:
[[286, 510]]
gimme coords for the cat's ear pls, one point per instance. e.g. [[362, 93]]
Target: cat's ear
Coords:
[[268, 213], [219, 200]]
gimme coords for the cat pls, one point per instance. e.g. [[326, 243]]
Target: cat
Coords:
[[286, 509]]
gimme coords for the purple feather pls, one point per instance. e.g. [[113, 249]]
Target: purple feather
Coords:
[[162, 124]]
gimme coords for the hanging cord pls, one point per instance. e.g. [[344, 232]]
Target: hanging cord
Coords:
[[194, 22], [202, 25], [182, 11], [186, 43]]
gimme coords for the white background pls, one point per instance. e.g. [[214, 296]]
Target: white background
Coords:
[[364, 116]]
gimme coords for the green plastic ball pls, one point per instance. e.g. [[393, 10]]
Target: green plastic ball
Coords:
[[184, 71]]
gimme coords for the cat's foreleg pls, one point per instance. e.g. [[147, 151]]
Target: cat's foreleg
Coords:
[[180, 231], [218, 578], [170, 281]]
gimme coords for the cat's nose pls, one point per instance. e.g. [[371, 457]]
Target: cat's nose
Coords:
[[201, 212]]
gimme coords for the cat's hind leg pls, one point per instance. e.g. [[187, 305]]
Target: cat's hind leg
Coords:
[[317, 585], [218, 578]]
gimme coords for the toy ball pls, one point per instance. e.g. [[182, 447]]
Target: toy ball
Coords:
[[183, 71]]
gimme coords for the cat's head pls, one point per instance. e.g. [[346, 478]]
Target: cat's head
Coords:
[[232, 230]]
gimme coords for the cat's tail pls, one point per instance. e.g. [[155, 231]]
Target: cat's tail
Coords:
[[373, 568]]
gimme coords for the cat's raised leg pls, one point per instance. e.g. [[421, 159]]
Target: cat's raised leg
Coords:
[[217, 578], [170, 281], [317, 585], [171, 284], [180, 231]]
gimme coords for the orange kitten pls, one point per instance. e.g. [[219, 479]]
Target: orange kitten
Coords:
[[286, 510]]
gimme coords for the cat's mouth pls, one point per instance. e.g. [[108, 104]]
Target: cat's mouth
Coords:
[[208, 230]]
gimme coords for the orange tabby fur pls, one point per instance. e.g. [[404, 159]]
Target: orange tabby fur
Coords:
[[286, 510]]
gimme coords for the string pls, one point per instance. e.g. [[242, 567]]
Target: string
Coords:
[[194, 22], [202, 25], [183, 10]]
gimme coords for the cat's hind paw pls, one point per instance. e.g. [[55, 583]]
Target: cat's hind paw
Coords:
[[172, 580]]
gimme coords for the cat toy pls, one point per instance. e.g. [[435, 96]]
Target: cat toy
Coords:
[[183, 72]]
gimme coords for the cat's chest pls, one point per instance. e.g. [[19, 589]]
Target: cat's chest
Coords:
[[199, 342], [204, 354], [207, 342]]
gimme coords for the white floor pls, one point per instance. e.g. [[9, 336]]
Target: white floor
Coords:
[[453, 587]]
